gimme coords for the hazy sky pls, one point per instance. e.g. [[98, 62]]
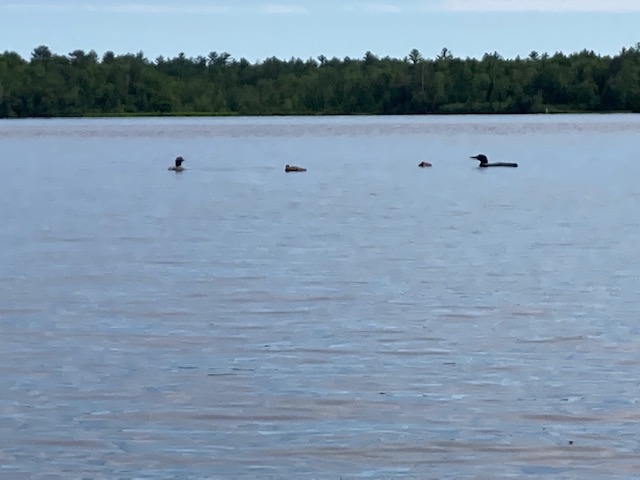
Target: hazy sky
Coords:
[[257, 29]]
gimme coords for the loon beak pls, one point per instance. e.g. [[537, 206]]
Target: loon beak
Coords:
[[475, 157]]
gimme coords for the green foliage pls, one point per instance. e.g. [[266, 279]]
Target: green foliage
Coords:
[[82, 84]]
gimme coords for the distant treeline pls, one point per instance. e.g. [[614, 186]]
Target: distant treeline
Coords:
[[82, 84]]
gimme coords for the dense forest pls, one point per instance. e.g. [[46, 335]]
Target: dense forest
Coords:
[[82, 84]]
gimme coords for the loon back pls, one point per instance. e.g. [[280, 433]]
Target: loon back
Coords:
[[484, 162], [293, 168], [500, 164]]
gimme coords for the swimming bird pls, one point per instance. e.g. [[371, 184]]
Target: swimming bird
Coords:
[[178, 166], [293, 168], [424, 164], [484, 162]]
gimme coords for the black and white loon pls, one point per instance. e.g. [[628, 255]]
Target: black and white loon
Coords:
[[484, 162], [178, 166]]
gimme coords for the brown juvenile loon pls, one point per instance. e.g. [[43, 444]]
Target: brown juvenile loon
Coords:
[[178, 166], [424, 164], [293, 168], [484, 162]]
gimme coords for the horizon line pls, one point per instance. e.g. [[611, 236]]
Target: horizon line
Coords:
[[231, 57]]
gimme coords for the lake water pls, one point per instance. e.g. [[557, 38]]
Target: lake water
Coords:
[[365, 319]]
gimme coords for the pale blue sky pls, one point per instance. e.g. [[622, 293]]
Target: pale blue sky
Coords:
[[257, 29]]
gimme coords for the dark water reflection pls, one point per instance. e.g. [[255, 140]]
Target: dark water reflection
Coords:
[[366, 319]]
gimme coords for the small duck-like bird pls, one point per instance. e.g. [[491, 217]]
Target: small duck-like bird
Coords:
[[293, 168], [484, 162], [178, 166], [424, 164]]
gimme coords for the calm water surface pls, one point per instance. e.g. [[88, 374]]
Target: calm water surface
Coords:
[[365, 319]]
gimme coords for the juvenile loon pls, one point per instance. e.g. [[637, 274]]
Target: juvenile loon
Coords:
[[484, 162], [424, 164], [293, 168], [178, 166]]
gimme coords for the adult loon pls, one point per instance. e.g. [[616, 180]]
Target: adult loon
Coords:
[[484, 162], [424, 164], [293, 168], [178, 166]]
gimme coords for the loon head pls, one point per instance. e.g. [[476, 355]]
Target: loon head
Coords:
[[179, 161], [482, 157]]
